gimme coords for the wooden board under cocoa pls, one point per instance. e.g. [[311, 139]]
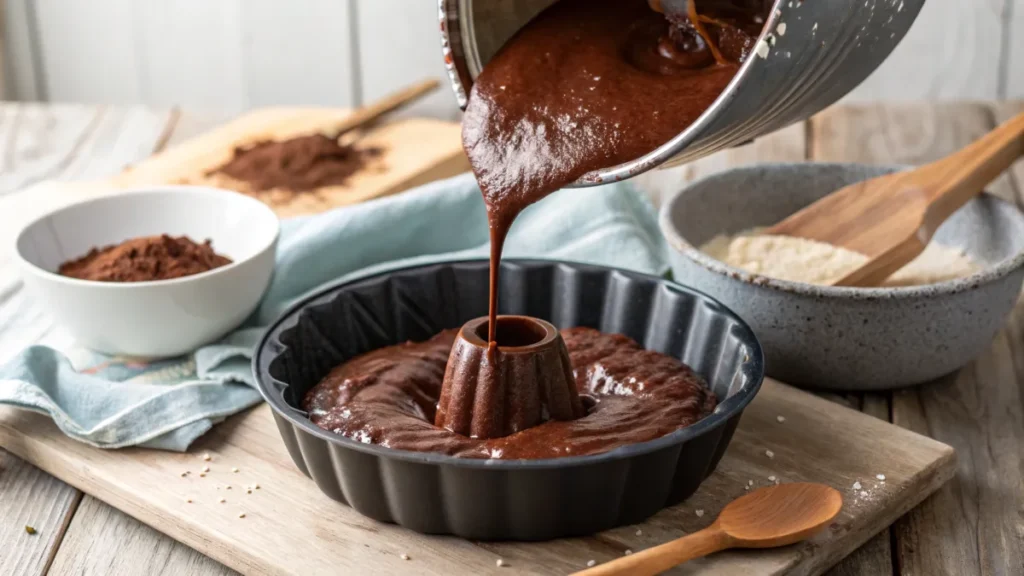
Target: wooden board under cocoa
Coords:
[[414, 151], [290, 527]]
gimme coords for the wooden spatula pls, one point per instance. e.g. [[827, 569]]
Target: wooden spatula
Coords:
[[766, 518], [891, 219]]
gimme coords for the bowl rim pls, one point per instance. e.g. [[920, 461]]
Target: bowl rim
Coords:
[[148, 191], [723, 413], [677, 242]]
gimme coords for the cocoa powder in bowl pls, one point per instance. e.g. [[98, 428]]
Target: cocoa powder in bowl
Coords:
[[145, 259], [298, 164]]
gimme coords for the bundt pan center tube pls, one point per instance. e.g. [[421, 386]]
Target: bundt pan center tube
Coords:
[[492, 499], [491, 392]]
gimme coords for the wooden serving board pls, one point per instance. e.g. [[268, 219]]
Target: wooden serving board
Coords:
[[289, 527], [414, 151]]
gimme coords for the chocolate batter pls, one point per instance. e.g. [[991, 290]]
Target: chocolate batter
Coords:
[[590, 84], [389, 397], [586, 85]]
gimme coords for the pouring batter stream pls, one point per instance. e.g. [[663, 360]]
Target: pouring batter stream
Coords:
[[590, 84]]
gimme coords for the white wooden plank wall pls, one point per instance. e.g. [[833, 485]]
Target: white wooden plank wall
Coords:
[[1015, 51], [398, 42], [19, 51], [955, 50], [232, 55]]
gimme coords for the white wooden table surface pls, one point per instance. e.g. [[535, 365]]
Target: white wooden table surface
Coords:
[[974, 525]]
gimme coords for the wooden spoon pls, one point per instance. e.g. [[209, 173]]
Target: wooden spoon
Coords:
[[766, 518], [891, 219]]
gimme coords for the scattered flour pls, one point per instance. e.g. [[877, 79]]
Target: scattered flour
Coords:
[[803, 260]]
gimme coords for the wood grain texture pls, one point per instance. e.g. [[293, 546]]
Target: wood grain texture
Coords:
[[875, 557], [72, 142], [31, 497], [892, 218], [972, 525], [90, 131], [102, 540], [414, 151], [40, 142], [819, 442], [902, 134], [791, 144], [872, 559], [766, 517], [37, 143], [188, 124]]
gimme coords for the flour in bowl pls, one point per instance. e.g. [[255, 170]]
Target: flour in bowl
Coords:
[[803, 260]]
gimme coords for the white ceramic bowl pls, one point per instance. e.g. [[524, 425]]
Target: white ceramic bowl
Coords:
[[161, 318]]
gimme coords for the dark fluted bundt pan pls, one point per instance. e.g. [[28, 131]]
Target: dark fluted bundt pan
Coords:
[[507, 499]]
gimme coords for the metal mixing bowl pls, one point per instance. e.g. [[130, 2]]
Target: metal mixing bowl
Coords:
[[819, 51]]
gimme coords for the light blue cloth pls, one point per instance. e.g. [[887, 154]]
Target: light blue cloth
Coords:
[[116, 402]]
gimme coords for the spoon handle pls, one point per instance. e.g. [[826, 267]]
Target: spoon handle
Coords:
[[373, 112], [660, 558], [955, 179]]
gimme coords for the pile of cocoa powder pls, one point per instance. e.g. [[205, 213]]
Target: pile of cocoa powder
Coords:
[[145, 259], [298, 164]]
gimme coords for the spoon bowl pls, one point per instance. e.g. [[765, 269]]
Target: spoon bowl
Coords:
[[779, 515]]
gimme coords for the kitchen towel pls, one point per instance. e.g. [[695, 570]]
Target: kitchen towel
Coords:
[[113, 402]]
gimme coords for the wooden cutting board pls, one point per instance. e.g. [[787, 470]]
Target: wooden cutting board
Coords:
[[289, 527], [413, 151]]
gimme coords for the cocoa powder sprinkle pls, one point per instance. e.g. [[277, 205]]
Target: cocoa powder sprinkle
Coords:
[[145, 259], [298, 164]]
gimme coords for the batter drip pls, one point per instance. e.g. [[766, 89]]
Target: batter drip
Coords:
[[589, 84]]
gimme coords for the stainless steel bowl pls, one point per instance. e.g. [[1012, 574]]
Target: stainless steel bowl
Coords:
[[818, 51]]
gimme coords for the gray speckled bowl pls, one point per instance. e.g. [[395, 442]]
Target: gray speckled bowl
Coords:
[[847, 338]]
